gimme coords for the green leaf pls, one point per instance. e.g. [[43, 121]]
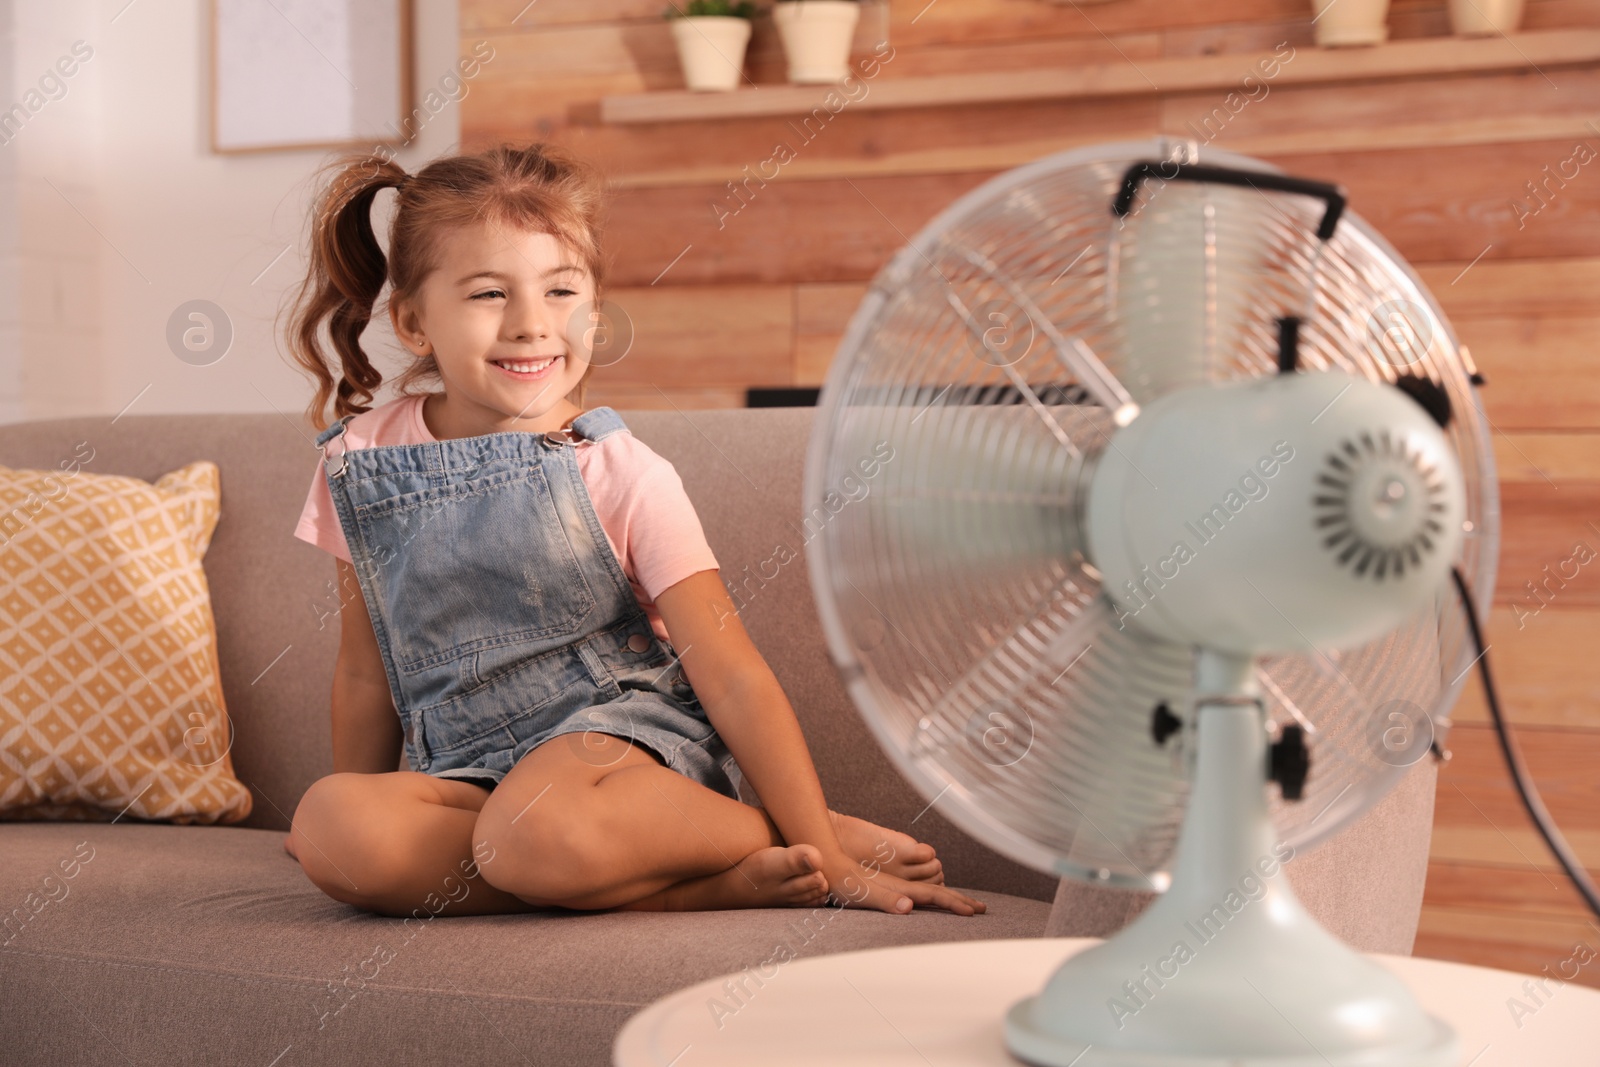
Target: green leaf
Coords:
[[711, 8]]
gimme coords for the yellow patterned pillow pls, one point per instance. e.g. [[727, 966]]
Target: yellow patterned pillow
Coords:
[[110, 695]]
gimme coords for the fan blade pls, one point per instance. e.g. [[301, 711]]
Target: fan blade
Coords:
[[1187, 265], [985, 488]]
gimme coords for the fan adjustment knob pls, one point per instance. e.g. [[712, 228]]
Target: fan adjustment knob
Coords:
[[1163, 724], [1289, 761]]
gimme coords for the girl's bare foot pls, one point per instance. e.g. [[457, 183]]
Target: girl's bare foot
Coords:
[[773, 877], [892, 851]]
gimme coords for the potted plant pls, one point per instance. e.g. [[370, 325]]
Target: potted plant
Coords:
[[711, 36], [1350, 22], [816, 37], [1481, 17]]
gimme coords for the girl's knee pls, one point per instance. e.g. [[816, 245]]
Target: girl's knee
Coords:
[[326, 809], [542, 854], [333, 831], [330, 795], [346, 799]]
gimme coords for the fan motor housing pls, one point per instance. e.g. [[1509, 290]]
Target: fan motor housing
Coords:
[[1284, 513]]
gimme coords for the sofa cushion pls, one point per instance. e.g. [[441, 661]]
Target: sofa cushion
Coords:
[[210, 940], [110, 693]]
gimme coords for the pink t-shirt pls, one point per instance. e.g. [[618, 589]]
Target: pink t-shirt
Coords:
[[648, 520]]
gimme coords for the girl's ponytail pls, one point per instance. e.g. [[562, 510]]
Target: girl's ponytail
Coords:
[[346, 273]]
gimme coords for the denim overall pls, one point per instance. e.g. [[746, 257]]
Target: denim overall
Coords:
[[502, 614]]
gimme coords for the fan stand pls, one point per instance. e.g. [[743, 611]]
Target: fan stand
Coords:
[[1226, 968]]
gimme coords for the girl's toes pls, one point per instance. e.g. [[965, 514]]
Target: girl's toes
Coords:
[[803, 859], [802, 870], [807, 888]]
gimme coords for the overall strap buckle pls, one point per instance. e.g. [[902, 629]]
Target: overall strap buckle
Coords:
[[327, 437]]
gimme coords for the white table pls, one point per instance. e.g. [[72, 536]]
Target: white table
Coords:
[[941, 1005]]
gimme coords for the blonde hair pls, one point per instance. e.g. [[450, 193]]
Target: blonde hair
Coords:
[[534, 187]]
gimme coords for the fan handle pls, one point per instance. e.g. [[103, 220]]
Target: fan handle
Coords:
[[1255, 179]]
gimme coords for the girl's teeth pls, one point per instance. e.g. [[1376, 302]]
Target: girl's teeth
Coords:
[[525, 368]]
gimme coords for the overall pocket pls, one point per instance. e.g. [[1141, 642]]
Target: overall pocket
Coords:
[[500, 713], [473, 564]]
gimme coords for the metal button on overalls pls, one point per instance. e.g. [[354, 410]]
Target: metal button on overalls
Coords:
[[503, 616]]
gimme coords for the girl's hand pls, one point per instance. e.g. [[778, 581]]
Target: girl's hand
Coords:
[[854, 884]]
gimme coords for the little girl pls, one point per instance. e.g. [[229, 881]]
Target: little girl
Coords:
[[528, 595]]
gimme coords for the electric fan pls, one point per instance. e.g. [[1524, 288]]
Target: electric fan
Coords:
[[1144, 482]]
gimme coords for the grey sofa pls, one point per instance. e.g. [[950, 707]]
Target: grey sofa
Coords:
[[207, 944]]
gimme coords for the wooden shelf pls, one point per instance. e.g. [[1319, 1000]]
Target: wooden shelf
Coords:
[[1399, 59]]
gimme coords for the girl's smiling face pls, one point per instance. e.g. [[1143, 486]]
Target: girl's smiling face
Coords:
[[501, 298]]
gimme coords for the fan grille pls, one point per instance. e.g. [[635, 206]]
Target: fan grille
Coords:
[[991, 357]]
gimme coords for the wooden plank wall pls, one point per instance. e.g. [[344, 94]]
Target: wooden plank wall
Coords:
[[760, 297]]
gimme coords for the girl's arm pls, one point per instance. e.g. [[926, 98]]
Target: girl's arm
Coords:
[[747, 706], [366, 728]]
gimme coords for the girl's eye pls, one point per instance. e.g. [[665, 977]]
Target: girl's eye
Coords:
[[499, 292]]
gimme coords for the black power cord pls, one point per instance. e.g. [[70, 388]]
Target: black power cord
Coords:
[[1519, 771]]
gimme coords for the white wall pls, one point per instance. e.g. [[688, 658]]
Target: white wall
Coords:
[[49, 260], [155, 219]]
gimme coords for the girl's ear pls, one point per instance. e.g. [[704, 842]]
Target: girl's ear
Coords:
[[408, 327]]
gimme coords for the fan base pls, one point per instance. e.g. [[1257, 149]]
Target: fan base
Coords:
[[1226, 968]]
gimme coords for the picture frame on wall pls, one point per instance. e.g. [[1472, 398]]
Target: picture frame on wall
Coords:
[[298, 74]]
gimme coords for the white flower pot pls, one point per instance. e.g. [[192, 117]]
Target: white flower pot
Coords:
[[1474, 18], [711, 49], [816, 37], [1350, 22]]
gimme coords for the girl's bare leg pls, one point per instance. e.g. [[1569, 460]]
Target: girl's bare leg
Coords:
[[395, 843], [402, 841], [588, 820], [876, 846], [898, 853]]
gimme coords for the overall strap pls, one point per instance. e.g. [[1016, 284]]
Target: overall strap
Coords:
[[335, 430], [597, 424]]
